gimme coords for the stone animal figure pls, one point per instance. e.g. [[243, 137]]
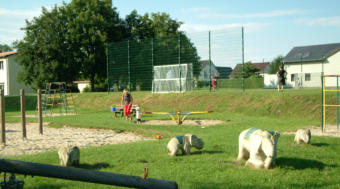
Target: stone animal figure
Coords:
[[303, 136], [258, 147], [184, 143], [69, 156]]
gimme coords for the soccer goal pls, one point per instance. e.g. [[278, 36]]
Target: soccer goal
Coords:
[[172, 78]]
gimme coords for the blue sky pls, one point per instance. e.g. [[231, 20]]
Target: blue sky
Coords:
[[271, 27]]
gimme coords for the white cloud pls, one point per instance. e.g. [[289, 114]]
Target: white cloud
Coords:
[[322, 21], [20, 13], [274, 13], [197, 9], [249, 27]]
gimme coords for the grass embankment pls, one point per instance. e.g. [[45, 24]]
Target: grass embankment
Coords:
[[298, 166]]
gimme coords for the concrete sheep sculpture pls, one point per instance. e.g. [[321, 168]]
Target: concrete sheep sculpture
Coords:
[[258, 147], [69, 156], [184, 143], [303, 136]]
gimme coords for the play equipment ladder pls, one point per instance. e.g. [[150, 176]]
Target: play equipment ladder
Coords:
[[56, 95]]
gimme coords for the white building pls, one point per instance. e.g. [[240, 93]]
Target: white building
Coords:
[[9, 70], [206, 67], [305, 64]]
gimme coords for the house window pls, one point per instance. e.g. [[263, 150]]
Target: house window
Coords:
[[292, 77], [1, 65], [2, 86], [307, 77]]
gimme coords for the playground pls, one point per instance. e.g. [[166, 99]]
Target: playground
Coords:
[[297, 166]]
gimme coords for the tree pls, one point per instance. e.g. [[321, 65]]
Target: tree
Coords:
[[275, 64], [68, 42], [249, 70], [45, 52], [5, 47]]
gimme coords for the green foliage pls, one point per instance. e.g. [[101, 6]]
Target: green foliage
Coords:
[[249, 70], [5, 48], [275, 64]]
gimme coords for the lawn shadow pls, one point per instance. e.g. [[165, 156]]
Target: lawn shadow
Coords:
[[320, 144], [50, 186], [298, 163], [95, 166], [207, 152]]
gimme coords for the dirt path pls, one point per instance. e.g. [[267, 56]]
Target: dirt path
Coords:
[[53, 138]]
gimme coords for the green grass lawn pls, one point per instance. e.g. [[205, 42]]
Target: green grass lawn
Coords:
[[297, 166]]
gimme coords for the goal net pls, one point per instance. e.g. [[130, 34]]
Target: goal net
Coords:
[[172, 78]]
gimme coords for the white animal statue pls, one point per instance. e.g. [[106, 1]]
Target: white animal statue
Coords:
[[69, 155], [258, 147], [184, 143], [303, 135]]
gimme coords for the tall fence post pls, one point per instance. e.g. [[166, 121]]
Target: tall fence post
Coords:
[[210, 79], [337, 102], [322, 101], [107, 68], [129, 67], [179, 63], [152, 63], [243, 60], [23, 116], [40, 119], [2, 114]]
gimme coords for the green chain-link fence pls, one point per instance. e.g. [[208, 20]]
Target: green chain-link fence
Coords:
[[185, 62]]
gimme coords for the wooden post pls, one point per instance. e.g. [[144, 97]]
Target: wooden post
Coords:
[[23, 116], [40, 113], [2, 116]]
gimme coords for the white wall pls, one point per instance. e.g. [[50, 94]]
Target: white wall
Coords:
[[270, 81], [330, 67], [205, 73], [3, 75]]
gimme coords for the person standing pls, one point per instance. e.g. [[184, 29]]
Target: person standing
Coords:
[[127, 101], [281, 78]]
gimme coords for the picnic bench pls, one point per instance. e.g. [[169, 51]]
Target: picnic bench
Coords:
[[118, 110]]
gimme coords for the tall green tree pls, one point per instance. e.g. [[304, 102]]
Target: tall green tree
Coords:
[[5, 47], [45, 52], [275, 64], [68, 42]]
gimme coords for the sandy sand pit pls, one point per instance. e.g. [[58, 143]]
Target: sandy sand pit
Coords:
[[331, 130], [53, 138], [202, 123], [47, 115]]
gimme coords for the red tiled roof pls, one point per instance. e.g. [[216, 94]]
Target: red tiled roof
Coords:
[[261, 66], [9, 53]]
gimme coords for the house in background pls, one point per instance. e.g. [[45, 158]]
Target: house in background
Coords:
[[9, 69], [262, 66], [224, 72], [305, 64], [205, 70]]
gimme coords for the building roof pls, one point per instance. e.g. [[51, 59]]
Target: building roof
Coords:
[[206, 63], [224, 71], [8, 53], [262, 66], [311, 53]]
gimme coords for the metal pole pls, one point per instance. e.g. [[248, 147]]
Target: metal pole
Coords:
[[210, 79], [40, 118], [324, 103], [337, 102], [2, 114], [129, 68], [85, 175], [243, 87], [152, 63], [107, 69], [179, 62], [322, 107], [23, 115]]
